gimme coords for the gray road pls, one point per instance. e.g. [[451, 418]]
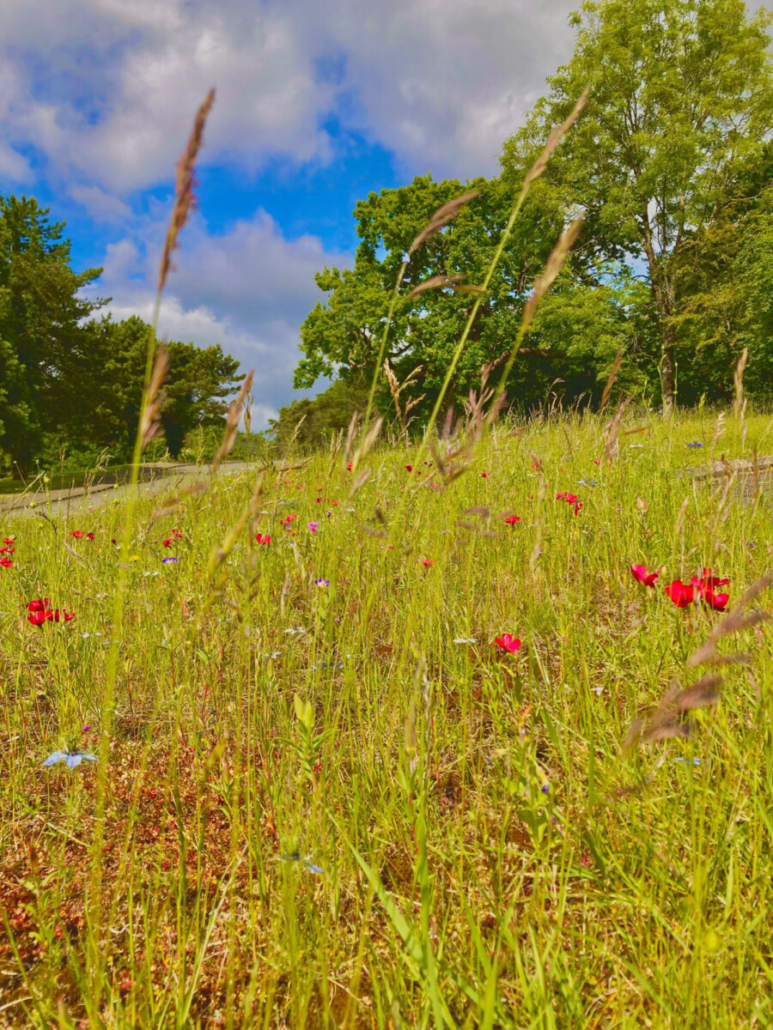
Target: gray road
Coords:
[[58, 502]]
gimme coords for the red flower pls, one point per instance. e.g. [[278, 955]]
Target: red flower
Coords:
[[168, 542], [639, 572], [7, 550], [578, 508], [426, 562], [349, 466], [512, 519], [508, 643], [705, 587], [262, 539], [9, 540], [39, 612], [716, 601], [682, 594], [484, 475], [409, 468], [78, 534], [561, 496], [178, 533], [708, 582], [6, 563], [89, 536]]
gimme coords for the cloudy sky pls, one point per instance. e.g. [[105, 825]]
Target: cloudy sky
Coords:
[[317, 104]]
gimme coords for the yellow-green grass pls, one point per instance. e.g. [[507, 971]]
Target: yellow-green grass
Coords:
[[491, 856]]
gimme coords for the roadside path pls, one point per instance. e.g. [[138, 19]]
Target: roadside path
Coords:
[[100, 494]]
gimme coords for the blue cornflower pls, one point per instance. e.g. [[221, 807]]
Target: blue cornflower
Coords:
[[695, 443], [167, 561], [72, 759], [321, 582]]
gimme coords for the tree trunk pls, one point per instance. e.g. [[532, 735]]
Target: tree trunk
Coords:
[[667, 367]]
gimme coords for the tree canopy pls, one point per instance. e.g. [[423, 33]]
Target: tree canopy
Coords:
[[55, 352], [670, 163]]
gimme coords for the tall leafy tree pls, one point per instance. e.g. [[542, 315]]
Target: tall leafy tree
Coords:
[[110, 368], [40, 316], [571, 344], [681, 101]]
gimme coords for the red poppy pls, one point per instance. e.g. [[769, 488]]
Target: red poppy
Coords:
[[6, 563], [178, 533], [426, 562], [484, 475], [261, 539], [349, 466], [578, 508], [716, 601], [708, 582], [512, 519], [561, 496], [409, 468], [639, 572], [38, 606], [9, 539], [682, 594], [508, 643], [7, 550], [168, 542], [89, 536], [78, 534]]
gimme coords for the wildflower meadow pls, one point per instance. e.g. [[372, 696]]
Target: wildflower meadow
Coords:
[[478, 738]]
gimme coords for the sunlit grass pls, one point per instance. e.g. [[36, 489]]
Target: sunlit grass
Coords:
[[489, 856]]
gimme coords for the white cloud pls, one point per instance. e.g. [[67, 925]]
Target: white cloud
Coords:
[[100, 204], [107, 89], [247, 289]]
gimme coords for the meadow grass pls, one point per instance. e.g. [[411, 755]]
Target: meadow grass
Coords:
[[490, 854]]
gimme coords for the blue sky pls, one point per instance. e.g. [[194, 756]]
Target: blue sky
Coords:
[[317, 105]]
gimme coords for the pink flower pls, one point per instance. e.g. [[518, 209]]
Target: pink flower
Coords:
[[313, 527], [639, 572], [508, 643]]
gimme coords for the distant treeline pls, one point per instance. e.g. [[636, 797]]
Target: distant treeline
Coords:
[[71, 382], [671, 163]]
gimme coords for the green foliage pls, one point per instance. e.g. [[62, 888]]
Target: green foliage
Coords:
[[681, 101], [40, 316], [344, 807], [310, 422], [670, 164], [53, 358]]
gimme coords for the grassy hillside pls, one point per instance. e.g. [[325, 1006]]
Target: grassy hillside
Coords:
[[325, 796]]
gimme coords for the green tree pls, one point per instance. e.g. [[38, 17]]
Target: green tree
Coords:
[[311, 421], [344, 333], [40, 324], [109, 369], [681, 101]]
